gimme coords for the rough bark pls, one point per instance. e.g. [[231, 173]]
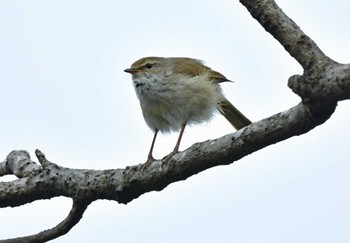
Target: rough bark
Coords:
[[323, 84]]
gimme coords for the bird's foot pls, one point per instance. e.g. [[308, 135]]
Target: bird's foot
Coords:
[[168, 157], [149, 161]]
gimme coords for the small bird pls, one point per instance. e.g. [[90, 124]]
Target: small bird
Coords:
[[179, 91]]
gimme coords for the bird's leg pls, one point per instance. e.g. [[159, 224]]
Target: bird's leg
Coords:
[[177, 145], [150, 158]]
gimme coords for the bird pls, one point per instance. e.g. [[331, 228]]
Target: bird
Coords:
[[178, 91]]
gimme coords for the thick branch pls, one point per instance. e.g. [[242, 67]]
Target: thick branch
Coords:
[[124, 185]]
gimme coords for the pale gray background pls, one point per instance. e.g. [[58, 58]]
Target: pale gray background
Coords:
[[63, 90]]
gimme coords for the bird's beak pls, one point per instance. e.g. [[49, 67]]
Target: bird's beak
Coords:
[[130, 70]]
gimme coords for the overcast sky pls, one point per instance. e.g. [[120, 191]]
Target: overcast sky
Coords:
[[63, 90]]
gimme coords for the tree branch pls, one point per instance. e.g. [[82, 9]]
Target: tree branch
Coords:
[[325, 82], [286, 31], [124, 185], [62, 228]]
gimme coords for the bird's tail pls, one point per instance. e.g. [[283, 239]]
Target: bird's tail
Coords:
[[233, 115]]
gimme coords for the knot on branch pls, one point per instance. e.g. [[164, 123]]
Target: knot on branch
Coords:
[[18, 163], [319, 89], [328, 81]]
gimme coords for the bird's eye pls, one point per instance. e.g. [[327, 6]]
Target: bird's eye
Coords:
[[149, 65]]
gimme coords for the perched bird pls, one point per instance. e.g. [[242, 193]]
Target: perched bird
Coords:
[[177, 91]]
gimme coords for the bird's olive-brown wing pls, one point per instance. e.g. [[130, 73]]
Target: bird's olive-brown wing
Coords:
[[194, 67]]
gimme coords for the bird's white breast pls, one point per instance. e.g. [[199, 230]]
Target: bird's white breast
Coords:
[[171, 101]]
